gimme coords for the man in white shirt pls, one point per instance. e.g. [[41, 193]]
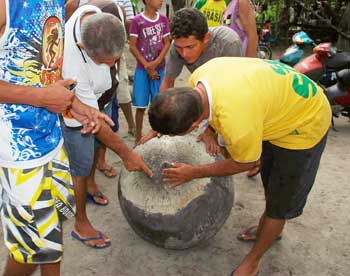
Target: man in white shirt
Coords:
[[94, 42]]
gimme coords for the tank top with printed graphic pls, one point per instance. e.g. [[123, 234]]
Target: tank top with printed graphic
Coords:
[[31, 54]]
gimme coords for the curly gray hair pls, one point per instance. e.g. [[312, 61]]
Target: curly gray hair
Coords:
[[102, 35]]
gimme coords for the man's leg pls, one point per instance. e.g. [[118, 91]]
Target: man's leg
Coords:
[[298, 170], [82, 225], [101, 164], [14, 268], [50, 269], [140, 99], [140, 112], [124, 97], [100, 157], [92, 187], [268, 231], [127, 111]]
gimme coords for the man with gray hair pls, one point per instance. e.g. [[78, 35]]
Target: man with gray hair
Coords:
[[94, 42]]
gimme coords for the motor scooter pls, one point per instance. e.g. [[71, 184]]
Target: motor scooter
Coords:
[[295, 52], [322, 65], [292, 54]]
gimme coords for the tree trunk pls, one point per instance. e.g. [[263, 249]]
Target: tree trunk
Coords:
[[343, 40]]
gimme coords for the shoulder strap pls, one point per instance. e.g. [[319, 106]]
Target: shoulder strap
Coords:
[[76, 40], [199, 4], [121, 14]]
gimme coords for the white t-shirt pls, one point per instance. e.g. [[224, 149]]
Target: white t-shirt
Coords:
[[92, 79]]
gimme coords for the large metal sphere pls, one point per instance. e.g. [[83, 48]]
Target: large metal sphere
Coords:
[[176, 218]]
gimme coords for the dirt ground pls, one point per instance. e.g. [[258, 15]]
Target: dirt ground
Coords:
[[315, 244]]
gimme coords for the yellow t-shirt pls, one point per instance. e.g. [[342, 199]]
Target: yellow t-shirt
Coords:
[[212, 10], [255, 100]]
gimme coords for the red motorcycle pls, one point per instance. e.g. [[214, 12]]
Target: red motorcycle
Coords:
[[323, 64]]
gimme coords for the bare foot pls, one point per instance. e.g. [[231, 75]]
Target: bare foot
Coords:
[[132, 132], [243, 272], [247, 268]]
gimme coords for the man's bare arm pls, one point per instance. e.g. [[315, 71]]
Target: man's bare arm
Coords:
[[181, 173], [132, 160], [247, 18], [162, 54], [2, 17], [70, 7], [166, 83], [136, 53], [55, 97]]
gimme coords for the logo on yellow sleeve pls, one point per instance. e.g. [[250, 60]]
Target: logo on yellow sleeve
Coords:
[[302, 85]]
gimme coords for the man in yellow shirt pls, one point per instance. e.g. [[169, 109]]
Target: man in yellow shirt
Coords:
[[264, 110], [212, 10]]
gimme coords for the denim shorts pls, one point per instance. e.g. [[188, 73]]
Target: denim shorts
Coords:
[[80, 149], [288, 176]]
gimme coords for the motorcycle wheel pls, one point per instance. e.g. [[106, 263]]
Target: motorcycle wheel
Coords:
[[264, 52]]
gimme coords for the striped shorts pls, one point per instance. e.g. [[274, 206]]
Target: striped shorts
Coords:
[[33, 204]]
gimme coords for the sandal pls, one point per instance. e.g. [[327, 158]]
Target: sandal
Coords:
[[109, 172], [86, 241], [98, 195], [249, 234]]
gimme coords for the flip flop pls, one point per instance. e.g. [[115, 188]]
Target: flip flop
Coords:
[[85, 240], [109, 172], [92, 198], [249, 235]]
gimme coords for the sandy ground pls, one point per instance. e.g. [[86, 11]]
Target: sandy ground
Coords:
[[315, 244]]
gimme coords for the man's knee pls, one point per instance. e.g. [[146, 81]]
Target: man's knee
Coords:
[[14, 268]]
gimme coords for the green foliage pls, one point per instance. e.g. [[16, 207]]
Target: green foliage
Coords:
[[272, 9]]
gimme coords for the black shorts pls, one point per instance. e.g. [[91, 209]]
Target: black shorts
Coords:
[[288, 176]]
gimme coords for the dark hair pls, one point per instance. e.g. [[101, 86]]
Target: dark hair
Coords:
[[187, 22], [175, 110]]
